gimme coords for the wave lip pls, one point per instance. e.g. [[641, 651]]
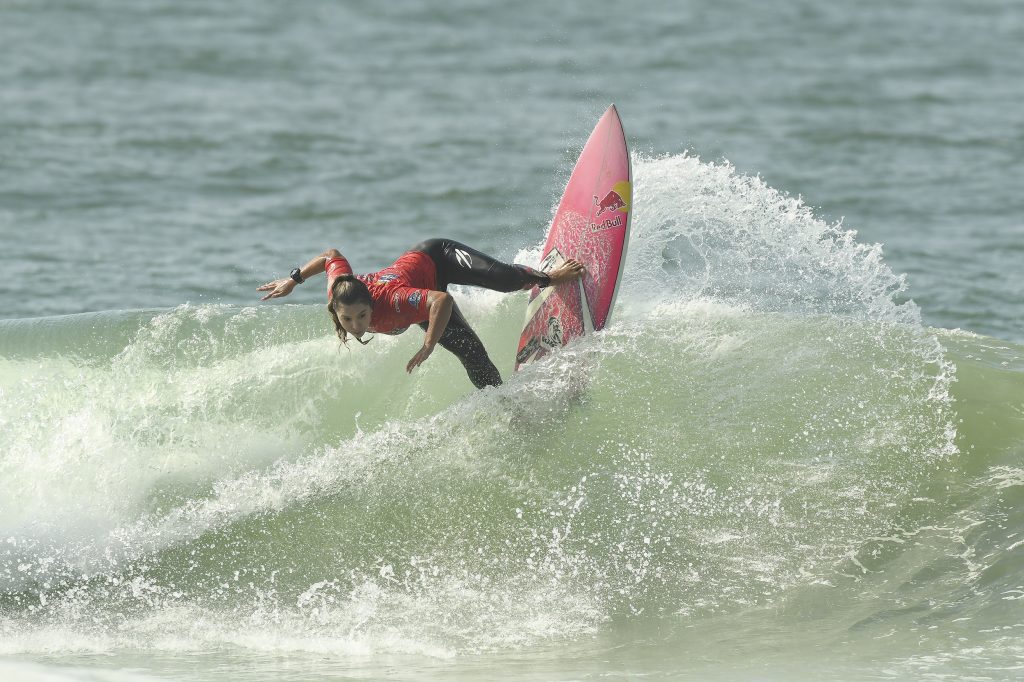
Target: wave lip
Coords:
[[763, 422]]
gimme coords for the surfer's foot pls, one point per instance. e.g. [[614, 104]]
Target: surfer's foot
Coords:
[[566, 272]]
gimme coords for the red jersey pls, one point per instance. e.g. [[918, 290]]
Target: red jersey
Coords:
[[399, 291]]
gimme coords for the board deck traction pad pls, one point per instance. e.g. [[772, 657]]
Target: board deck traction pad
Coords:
[[591, 225]]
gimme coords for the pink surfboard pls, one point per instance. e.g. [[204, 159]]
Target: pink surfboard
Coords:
[[592, 226]]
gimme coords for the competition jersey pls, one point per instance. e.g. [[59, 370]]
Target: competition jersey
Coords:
[[399, 291]]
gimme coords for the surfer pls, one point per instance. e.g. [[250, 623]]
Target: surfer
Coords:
[[414, 290]]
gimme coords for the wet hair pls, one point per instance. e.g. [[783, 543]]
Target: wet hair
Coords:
[[347, 290]]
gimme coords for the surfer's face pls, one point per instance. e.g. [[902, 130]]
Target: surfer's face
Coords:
[[354, 318]]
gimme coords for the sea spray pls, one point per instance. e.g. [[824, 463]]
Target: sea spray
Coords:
[[761, 408]]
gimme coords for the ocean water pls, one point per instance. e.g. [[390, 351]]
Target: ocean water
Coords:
[[795, 454]]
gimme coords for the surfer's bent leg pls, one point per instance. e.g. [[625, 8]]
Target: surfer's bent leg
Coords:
[[460, 264], [460, 339]]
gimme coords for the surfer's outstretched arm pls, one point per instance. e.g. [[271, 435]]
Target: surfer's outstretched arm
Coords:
[[283, 287], [439, 303]]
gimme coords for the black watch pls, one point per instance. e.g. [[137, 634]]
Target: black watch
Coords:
[[296, 274]]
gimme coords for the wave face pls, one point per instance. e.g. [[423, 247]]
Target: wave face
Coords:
[[764, 438]]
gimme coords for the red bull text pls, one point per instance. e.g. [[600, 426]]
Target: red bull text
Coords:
[[607, 224]]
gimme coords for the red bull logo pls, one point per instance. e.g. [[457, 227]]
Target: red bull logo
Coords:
[[615, 200], [611, 202], [606, 224]]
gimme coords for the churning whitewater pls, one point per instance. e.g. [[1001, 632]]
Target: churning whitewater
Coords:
[[766, 427]]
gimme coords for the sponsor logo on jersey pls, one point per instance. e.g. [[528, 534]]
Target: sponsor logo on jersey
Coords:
[[396, 302], [389, 277], [414, 298]]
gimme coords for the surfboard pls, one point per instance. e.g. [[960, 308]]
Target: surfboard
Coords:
[[592, 226]]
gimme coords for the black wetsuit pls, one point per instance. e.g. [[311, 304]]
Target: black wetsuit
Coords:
[[460, 264]]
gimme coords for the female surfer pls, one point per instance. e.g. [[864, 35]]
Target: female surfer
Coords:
[[414, 289]]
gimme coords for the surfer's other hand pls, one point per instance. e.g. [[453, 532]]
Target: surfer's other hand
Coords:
[[422, 355], [277, 288], [567, 271]]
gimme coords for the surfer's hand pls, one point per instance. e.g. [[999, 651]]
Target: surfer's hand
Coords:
[[278, 288], [422, 355]]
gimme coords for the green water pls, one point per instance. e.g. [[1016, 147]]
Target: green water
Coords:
[[794, 455]]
